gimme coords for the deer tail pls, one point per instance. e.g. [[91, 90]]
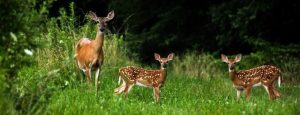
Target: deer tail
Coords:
[[119, 80], [77, 47], [279, 81]]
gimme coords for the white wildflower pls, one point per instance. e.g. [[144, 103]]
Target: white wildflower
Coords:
[[66, 82], [28, 52], [13, 36]]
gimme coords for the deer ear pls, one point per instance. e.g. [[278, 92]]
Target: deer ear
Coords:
[[93, 16], [110, 16], [224, 58], [157, 56], [238, 58], [170, 56]]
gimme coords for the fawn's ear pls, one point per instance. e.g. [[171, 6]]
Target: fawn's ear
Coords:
[[238, 57], [110, 16], [170, 56], [157, 56], [224, 58], [93, 16]]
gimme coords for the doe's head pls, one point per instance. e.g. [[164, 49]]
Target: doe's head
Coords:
[[163, 61], [231, 62], [102, 21]]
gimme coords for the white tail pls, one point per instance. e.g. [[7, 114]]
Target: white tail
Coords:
[[264, 75], [148, 78], [279, 81], [119, 80], [89, 53]]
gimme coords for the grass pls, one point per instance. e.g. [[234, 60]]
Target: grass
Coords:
[[204, 87], [180, 95]]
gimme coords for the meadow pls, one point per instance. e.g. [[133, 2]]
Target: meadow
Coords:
[[197, 83], [180, 95]]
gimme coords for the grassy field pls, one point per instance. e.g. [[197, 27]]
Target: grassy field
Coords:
[[198, 85], [180, 95]]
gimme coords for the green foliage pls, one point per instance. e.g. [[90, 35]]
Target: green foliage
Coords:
[[34, 86], [21, 23], [6, 103], [193, 64], [22, 16], [17, 52]]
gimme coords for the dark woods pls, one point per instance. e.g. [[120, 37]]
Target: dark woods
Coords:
[[230, 27], [233, 26]]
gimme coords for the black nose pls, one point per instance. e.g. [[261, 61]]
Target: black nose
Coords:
[[102, 29], [165, 65]]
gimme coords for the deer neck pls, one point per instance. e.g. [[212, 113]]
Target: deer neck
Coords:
[[232, 74], [99, 40], [163, 73]]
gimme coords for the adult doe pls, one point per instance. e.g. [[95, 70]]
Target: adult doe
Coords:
[[264, 75], [89, 53], [148, 78]]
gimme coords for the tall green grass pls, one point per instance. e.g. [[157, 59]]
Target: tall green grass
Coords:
[[193, 64], [180, 95]]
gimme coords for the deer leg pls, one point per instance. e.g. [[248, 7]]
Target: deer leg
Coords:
[[277, 94], [248, 92], [266, 89], [127, 89], [156, 94], [88, 76], [120, 89], [96, 79], [81, 70], [238, 94], [270, 91]]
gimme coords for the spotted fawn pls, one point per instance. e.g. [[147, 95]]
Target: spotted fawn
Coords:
[[131, 75], [242, 80]]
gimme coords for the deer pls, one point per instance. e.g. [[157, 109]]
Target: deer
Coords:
[[131, 75], [89, 53], [264, 75]]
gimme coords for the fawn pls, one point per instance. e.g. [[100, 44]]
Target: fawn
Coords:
[[155, 79], [89, 53], [264, 75]]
